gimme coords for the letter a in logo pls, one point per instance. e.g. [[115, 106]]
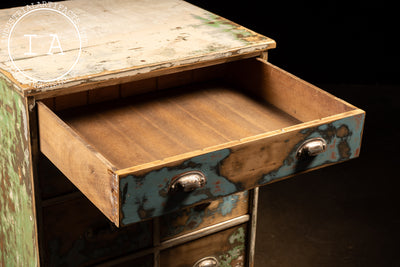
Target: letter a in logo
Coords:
[[55, 38]]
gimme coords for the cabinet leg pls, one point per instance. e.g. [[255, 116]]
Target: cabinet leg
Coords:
[[252, 228]]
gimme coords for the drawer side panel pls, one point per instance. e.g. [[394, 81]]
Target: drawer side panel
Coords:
[[85, 168]]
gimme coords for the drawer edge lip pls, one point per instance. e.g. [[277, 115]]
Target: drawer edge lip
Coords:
[[121, 173]]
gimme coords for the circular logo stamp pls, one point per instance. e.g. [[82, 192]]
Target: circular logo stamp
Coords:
[[44, 42]]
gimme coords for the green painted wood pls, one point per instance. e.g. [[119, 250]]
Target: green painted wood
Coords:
[[18, 246]]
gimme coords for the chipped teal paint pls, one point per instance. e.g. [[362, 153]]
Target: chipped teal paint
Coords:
[[89, 250], [195, 216], [228, 204], [343, 138], [17, 226], [237, 240], [140, 200]]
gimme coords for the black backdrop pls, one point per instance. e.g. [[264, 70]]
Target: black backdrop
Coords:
[[324, 41]]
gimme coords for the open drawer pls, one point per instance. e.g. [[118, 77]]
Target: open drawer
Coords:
[[141, 157]]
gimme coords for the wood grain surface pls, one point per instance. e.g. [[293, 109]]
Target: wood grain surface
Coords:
[[153, 127], [125, 38], [87, 169]]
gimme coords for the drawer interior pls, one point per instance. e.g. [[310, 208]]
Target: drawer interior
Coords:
[[154, 126]]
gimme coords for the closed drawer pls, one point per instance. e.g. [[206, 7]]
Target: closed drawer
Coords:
[[210, 213], [146, 156], [225, 248]]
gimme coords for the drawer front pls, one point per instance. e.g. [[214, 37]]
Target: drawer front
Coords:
[[242, 167], [203, 215], [225, 248], [76, 233]]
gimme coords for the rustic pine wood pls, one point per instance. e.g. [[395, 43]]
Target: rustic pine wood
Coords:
[[134, 38], [138, 87], [87, 169], [104, 94], [294, 96], [144, 129]]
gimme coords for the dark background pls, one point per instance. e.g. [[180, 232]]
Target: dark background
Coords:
[[348, 214]]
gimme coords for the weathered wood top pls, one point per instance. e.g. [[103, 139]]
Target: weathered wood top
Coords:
[[124, 38]]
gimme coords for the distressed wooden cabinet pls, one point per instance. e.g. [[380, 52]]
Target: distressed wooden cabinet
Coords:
[[150, 151]]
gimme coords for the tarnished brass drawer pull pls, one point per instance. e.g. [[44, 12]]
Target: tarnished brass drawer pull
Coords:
[[311, 148], [207, 262], [188, 181]]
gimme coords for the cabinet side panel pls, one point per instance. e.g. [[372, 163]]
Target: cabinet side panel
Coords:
[[18, 240]]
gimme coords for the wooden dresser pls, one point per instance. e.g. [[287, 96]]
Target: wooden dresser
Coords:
[[144, 142]]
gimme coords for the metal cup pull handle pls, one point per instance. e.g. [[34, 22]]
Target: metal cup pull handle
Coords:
[[311, 148], [188, 181], [207, 262]]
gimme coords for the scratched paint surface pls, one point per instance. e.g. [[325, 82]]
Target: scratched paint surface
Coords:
[[235, 255], [17, 227], [140, 36], [140, 201], [182, 221], [343, 139]]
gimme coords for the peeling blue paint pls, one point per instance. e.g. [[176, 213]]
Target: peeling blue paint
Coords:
[[195, 215], [140, 200], [343, 142]]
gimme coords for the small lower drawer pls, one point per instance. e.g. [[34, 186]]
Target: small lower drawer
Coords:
[[225, 248], [203, 215]]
